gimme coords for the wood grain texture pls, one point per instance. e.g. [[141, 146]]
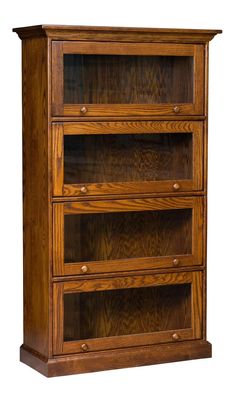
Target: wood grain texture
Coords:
[[133, 79], [206, 187], [98, 306], [123, 235], [127, 158], [127, 235], [130, 127], [118, 358], [57, 159], [106, 33], [144, 204], [37, 211], [79, 119], [164, 304], [57, 82], [199, 77], [164, 104], [197, 304], [126, 311], [126, 341], [125, 282], [58, 239], [131, 195], [129, 265], [117, 48], [126, 188], [198, 229], [165, 156]]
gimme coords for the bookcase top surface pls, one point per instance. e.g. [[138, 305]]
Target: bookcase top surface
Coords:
[[106, 33]]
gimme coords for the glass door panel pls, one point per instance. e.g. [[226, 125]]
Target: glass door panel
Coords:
[[127, 157], [117, 79], [136, 310], [100, 79], [125, 235], [126, 311]]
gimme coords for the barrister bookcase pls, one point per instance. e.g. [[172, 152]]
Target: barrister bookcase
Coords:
[[115, 196]]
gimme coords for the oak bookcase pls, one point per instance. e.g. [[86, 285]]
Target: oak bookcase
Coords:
[[115, 196]]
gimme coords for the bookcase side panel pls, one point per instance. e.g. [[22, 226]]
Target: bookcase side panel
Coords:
[[36, 205]]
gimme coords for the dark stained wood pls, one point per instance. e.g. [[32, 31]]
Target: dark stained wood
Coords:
[[118, 358], [124, 197], [106, 33], [37, 210], [128, 265], [112, 79], [128, 288], [151, 234], [118, 235], [126, 282], [124, 312], [109, 274], [155, 313], [57, 81], [145, 204], [132, 127], [124, 188], [127, 158], [57, 159], [79, 119], [175, 156], [156, 101]]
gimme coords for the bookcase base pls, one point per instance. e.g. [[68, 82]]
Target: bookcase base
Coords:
[[114, 359]]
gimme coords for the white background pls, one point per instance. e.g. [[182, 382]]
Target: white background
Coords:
[[198, 376]]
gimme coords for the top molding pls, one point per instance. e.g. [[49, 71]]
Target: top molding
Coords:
[[127, 34]]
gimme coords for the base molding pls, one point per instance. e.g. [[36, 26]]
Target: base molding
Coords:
[[114, 359]]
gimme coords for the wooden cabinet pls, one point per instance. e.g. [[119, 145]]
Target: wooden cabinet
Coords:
[[115, 196]]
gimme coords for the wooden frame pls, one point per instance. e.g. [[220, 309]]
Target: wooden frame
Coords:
[[59, 48], [78, 208], [142, 127], [47, 200], [194, 332]]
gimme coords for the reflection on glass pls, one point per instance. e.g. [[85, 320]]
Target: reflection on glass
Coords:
[[127, 157], [122, 235], [119, 79], [126, 311]]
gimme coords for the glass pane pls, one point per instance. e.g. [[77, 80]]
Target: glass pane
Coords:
[[121, 235], [115, 79], [127, 158], [126, 311]]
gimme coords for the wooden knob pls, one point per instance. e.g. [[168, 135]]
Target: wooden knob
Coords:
[[84, 269], [84, 347], [176, 262], [83, 189], [83, 110], [175, 337], [176, 186], [176, 109]]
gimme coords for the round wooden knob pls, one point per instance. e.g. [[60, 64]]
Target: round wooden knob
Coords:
[[83, 110], [176, 109], [176, 262], [175, 337], [84, 347], [84, 269], [83, 189], [176, 186]]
